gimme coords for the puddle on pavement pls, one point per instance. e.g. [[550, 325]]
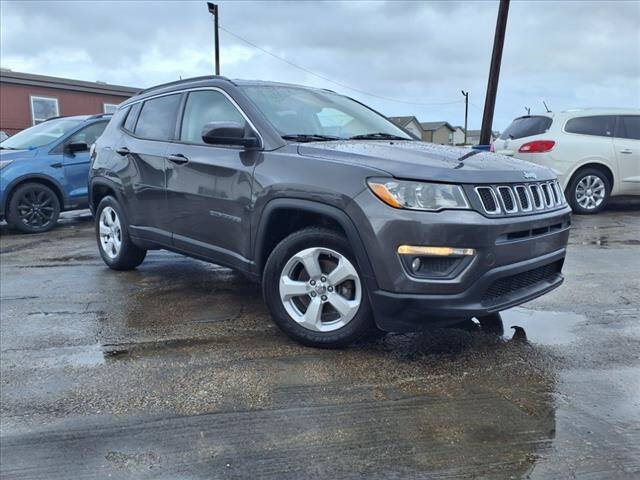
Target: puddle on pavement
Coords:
[[542, 327]]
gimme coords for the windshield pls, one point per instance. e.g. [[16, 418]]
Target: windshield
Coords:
[[41, 134], [319, 115]]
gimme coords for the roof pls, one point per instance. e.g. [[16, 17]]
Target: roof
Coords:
[[403, 121], [431, 126], [18, 78]]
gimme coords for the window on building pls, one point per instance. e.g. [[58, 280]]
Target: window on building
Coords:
[[43, 108], [204, 107], [109, 107], [157, 119]]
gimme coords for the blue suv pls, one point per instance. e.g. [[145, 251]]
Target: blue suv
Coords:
[[44, 170]]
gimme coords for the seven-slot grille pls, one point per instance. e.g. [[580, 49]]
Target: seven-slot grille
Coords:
[[510, 199]]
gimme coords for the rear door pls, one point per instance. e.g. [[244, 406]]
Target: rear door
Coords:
[[76, 165], [209, 187], [144, 146], [521, 131], [626, 142]]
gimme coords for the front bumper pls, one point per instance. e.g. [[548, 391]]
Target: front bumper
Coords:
[[516, 259], [409, 312]]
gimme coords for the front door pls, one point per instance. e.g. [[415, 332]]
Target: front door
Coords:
[[627, 147], [209, 187], [76, 165]]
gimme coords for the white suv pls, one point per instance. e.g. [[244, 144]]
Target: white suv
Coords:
[[594, 152]]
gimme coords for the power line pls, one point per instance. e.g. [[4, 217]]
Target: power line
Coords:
[[310, 72]]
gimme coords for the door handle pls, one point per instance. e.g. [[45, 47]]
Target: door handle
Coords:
[[177, 158], [56, 165], [123, 151], [626, 150]]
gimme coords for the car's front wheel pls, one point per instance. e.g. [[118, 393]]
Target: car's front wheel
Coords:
[[116, 248], [34, 208], [314, 290], [588, 192]]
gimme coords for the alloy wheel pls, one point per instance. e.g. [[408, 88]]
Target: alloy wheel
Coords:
[[590, 192], [320, 289], [110, 232], [36, 208]]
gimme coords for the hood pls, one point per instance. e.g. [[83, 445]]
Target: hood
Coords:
[[416, 160], [16, 154]]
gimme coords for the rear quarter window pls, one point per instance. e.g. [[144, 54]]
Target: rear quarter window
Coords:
[[599, 126], [526, 127]]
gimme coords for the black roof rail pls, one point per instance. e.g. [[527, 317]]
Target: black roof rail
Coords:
[[186, 80], [99, 115], [53, 118]]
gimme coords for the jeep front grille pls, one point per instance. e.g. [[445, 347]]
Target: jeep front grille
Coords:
[[515, 199]]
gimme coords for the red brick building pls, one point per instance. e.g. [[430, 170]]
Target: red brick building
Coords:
[[27, 99]]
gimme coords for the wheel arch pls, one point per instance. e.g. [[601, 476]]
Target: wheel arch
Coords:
[[604, 168], [281, 217], [50, 182], [100, 188]]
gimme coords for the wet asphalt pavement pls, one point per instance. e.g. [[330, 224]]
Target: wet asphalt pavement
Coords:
[[175, 371]]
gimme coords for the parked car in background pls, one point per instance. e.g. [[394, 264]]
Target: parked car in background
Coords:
[[350, 223], [44, 170], [594, 152]]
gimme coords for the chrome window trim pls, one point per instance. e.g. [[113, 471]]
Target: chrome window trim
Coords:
[[195, 89]]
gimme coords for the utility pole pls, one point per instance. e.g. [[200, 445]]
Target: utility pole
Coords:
[[494, 73], [213, 10], [466, 113]]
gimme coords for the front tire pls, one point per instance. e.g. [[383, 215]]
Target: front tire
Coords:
[[314, 290], [33, 208], [588, 192], [112, 233]]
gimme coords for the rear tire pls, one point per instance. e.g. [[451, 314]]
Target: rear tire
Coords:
[[314, 290], [588, 192], [33, 208], [112, 233]]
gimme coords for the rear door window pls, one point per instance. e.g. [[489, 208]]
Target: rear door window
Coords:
[[600, 125], [628, 126], [526, 127], [157, 119]]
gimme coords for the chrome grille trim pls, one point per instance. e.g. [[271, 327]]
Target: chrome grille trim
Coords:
[[513, 199], [523, 197], [495, 199], [525, 191]]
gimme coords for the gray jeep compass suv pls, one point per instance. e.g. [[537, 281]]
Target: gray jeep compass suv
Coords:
[[350, 223]]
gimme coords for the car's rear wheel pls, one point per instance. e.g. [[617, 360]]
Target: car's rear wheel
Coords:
[[314, 290], [34, 208], [116, 248], [588, 192]]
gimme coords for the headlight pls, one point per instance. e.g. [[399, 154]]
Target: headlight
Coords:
[[4, 163], [419, 195]]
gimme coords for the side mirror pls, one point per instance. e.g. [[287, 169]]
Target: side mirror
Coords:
[[229, 133], [76, 147]]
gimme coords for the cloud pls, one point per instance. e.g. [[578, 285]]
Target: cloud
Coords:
[[571, 54]]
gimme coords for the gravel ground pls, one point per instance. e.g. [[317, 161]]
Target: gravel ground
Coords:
[[175, 371]]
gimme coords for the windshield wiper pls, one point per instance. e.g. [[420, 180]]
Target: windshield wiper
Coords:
[[304, 137], [378, 136], [8, 148]]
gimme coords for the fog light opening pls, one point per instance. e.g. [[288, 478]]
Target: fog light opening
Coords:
[[416, 264]]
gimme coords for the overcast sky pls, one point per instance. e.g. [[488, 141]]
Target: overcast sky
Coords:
[[571, 54]]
